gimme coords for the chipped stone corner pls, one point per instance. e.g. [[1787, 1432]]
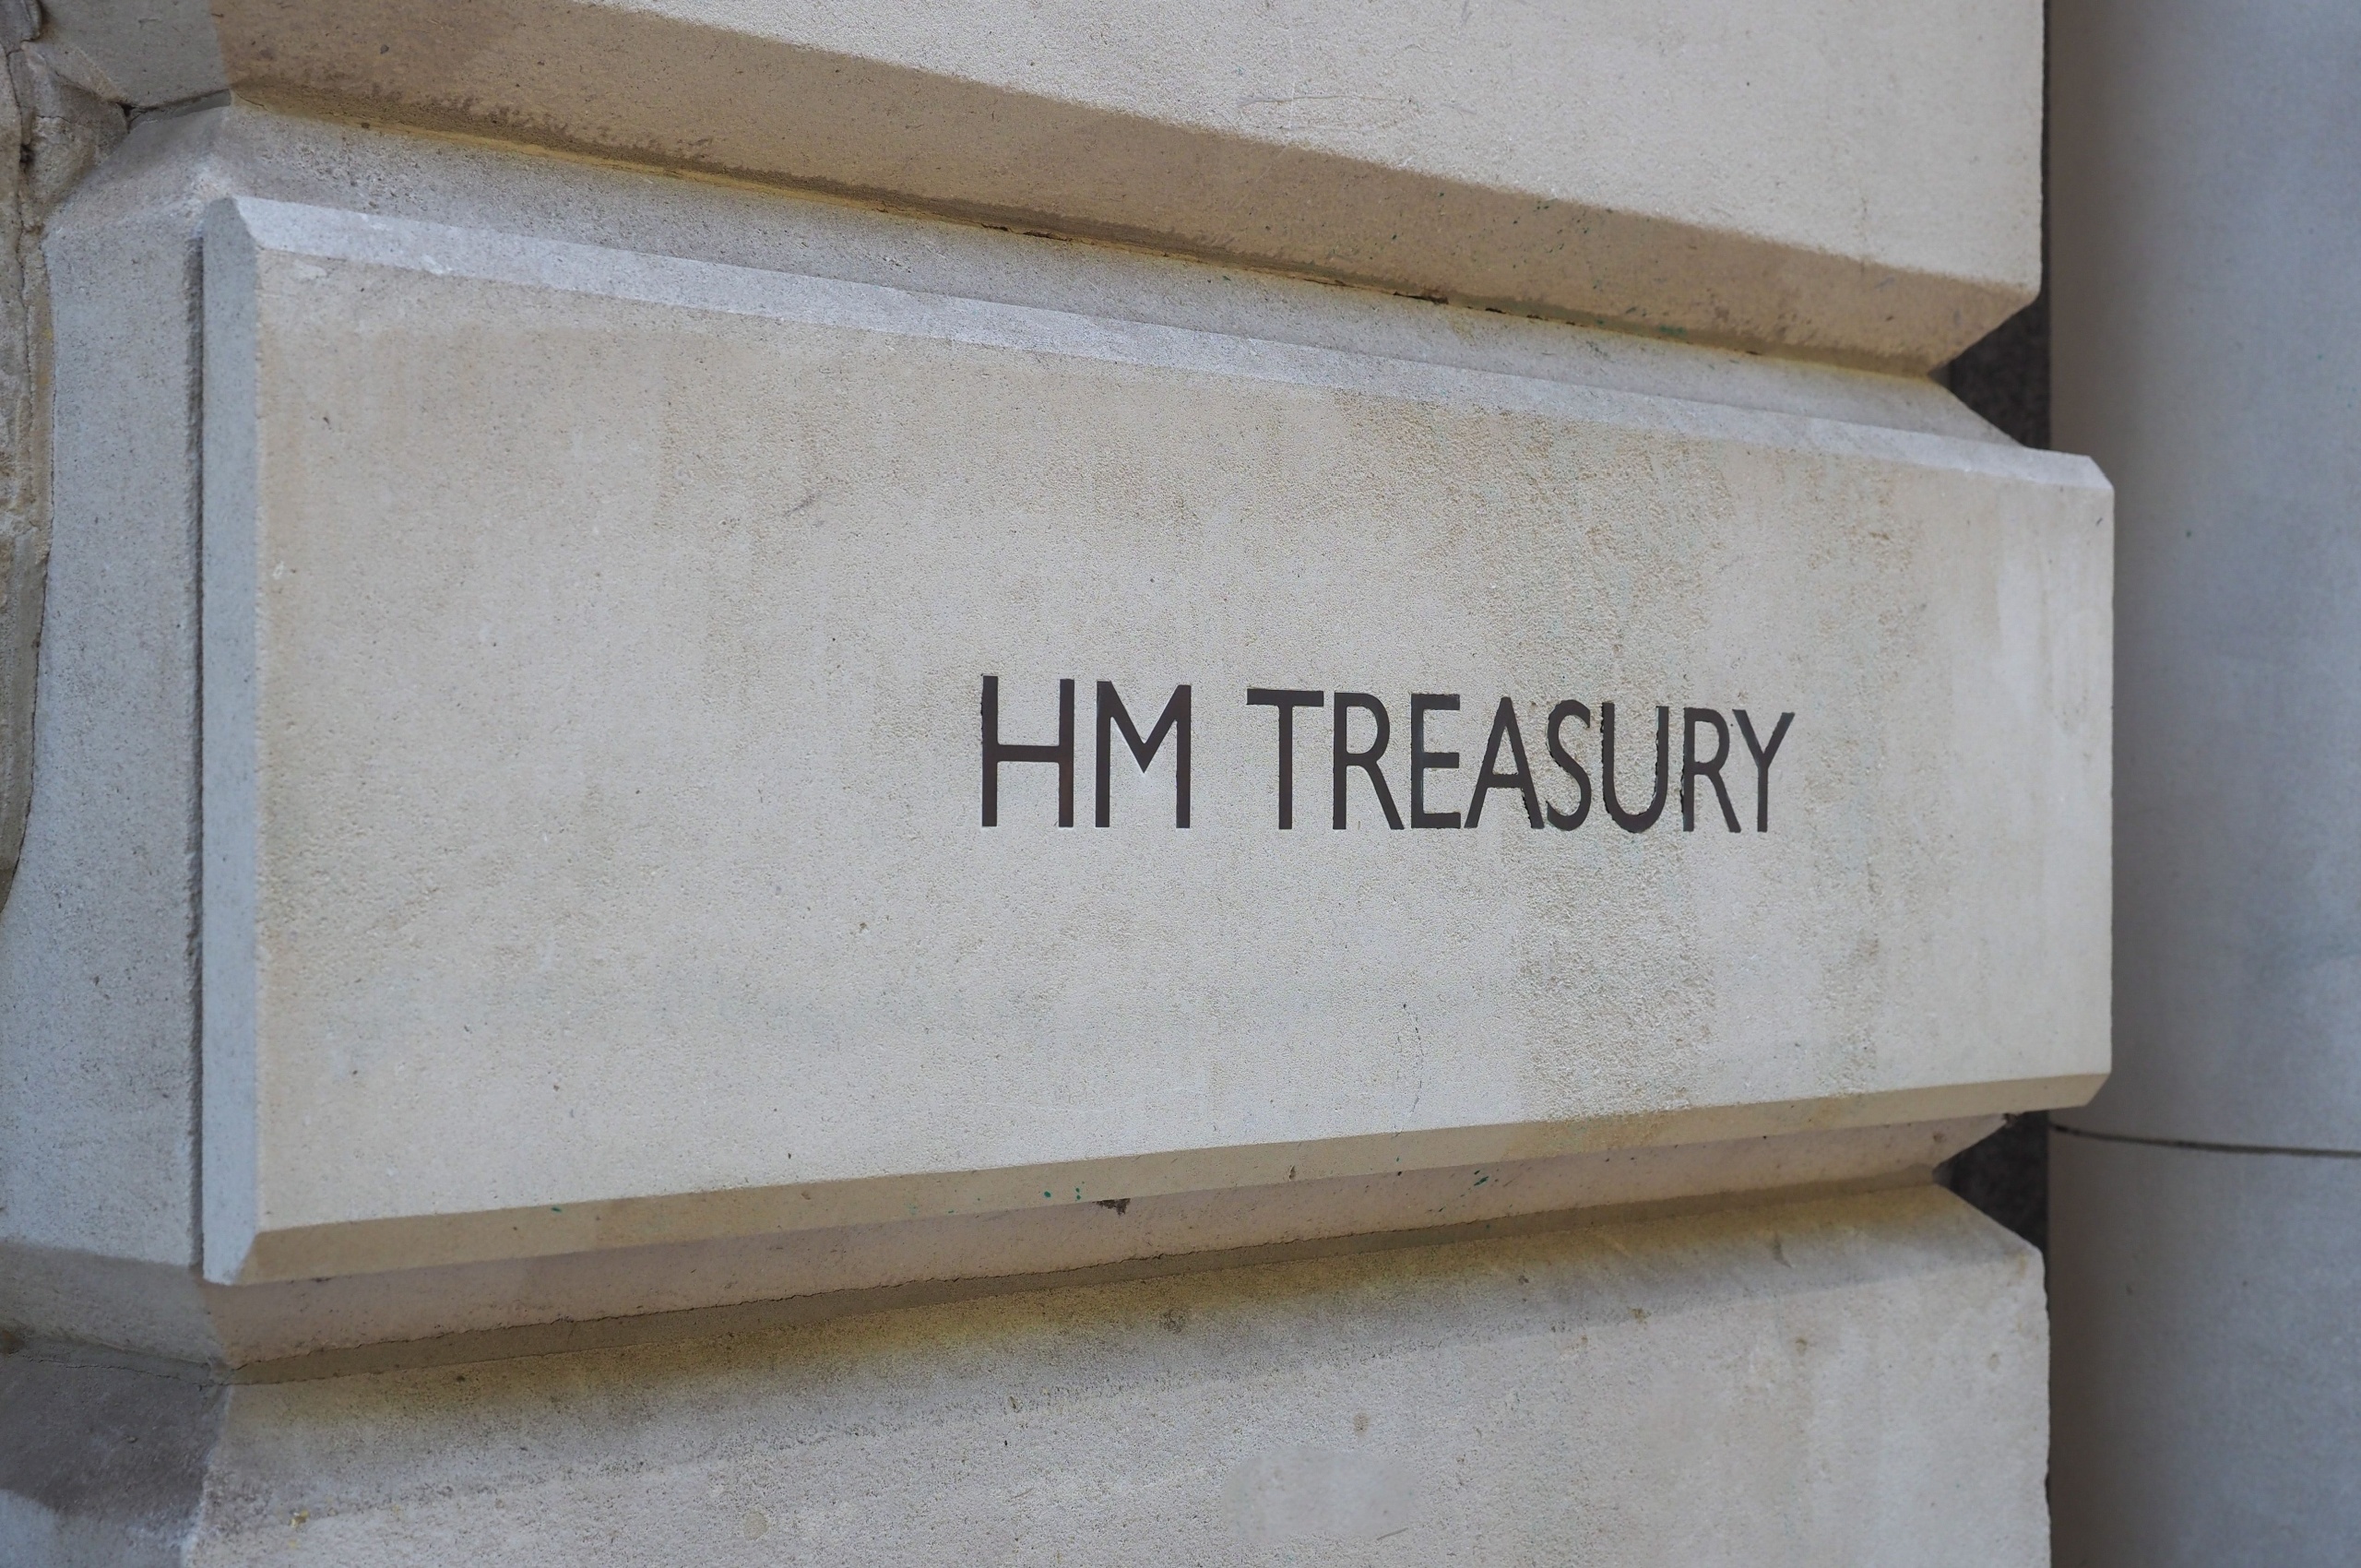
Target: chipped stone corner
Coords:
[[61, 113]]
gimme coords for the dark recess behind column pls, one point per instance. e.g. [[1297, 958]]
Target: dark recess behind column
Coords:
[[2005, 378]]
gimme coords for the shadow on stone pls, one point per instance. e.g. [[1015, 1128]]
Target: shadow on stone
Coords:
[[2007, 1176]]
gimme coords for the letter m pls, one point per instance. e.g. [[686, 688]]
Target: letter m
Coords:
[[1114, 715]]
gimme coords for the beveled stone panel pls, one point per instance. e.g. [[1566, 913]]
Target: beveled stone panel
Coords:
[[602, 652], [1814, 177]]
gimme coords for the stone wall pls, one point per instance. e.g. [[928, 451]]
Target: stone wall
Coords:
[[808, 787], [61, 129]]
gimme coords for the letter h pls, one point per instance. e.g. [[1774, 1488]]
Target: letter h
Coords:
[[996, 753]]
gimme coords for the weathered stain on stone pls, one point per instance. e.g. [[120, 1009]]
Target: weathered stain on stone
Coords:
[[61, 131]]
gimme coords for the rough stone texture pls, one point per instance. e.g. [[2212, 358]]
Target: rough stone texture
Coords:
[[1757, 1386], [97, 1138], [1845, 1382], [1818, 176], [59, 131], [106, 1166], [2207, 1368], [673, 695], [624, 1294], [121, 788]]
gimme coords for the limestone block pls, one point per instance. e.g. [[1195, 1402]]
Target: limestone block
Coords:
[[606, 655], [2207, 1398], [628, 1295], [1816, 175], [1854, 1382], [98, 994]]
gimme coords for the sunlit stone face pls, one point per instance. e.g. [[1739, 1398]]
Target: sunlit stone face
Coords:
[[692, 750]]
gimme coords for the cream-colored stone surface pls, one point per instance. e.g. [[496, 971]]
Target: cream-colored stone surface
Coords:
[[1821, 176], [97, 1007], [59, 131], [1845, 1382], [592, 651], [629, 1294], [97, 962]]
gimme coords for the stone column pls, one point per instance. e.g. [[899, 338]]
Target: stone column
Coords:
[[2206, 263]]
